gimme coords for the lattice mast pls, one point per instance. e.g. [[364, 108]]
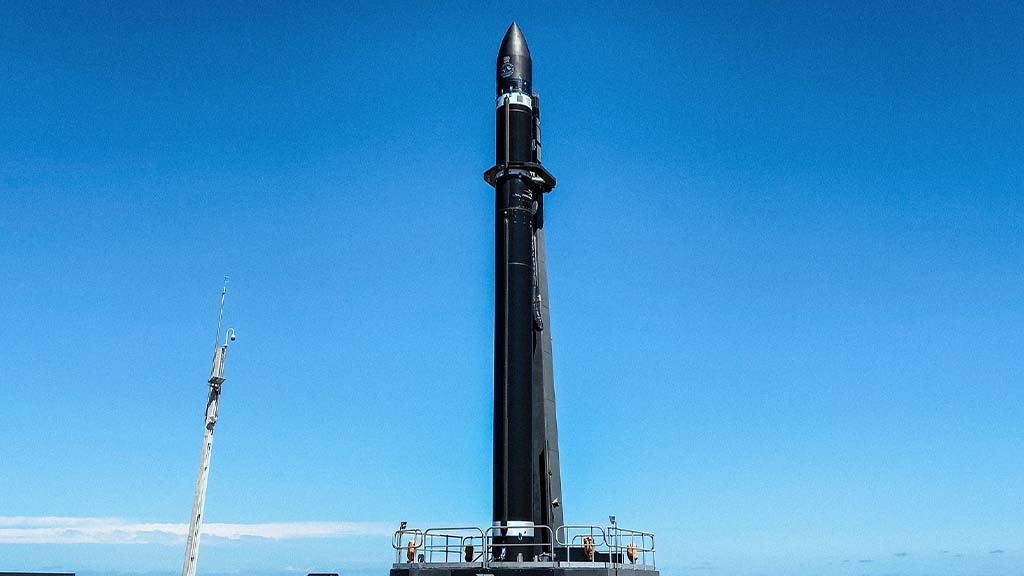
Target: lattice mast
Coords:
[[220, 352]]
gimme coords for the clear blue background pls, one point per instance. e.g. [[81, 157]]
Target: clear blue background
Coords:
[[785, 258]]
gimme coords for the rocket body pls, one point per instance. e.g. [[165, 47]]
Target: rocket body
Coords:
[[520, 472]]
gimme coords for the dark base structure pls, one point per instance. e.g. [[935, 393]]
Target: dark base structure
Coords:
[[577, 550], [524, 569]]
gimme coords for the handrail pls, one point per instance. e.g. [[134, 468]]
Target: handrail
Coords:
[[563, 530], [446, 548], [612, 545], [396, 541], [615, 544]]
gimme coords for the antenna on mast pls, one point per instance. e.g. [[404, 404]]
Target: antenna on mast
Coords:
[[220, 311]]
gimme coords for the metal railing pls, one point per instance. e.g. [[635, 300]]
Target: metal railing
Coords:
[[621, 539], [451, 544], [573, 537], [398, 541], [609, 546]]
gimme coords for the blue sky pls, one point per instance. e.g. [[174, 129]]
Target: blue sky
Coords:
[[785, 258]]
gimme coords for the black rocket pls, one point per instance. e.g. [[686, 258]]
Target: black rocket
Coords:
[[527, 535], [527, 481]]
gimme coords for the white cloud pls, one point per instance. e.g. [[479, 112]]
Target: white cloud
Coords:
[[78, 530]]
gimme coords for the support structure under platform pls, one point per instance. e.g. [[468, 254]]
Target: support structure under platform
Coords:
[[574, 550], [523, 569]]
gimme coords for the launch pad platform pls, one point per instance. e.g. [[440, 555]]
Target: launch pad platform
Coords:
[[576, 550], [524, 569]]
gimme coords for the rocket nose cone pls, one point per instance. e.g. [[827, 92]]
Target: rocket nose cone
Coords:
[[515, 67], [514, 43]]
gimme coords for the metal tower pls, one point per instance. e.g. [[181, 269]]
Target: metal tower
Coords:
[[220, 352]]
